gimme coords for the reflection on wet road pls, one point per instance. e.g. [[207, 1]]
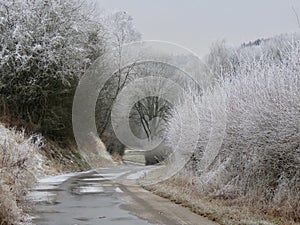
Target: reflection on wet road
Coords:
[[83, 198], [106, 196]]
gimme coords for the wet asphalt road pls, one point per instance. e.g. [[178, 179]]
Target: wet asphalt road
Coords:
[[107, 196]]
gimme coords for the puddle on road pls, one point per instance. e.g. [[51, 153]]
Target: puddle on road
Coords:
[[88, 199]]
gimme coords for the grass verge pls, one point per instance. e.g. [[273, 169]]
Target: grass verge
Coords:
[[223, 211]]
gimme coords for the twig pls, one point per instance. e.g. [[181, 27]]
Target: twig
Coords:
[[296, 14]]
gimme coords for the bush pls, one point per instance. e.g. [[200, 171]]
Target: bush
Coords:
[[45, 47], [259, 159]]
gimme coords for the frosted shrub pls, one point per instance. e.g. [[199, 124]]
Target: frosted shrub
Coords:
[[46, 46], [19, 162], [259, 159]]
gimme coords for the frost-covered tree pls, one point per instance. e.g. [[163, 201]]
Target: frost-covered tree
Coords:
[[45, 47], [120, 30]]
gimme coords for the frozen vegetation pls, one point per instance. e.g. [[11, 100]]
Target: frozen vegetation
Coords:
[[20, 165], [249, 117], [257, 94]]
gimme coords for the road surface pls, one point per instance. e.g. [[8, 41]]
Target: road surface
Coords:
[[105, 196]]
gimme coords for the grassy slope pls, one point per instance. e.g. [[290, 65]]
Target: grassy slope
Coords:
[[22, 162]]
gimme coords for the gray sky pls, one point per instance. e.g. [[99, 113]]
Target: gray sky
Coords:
[[196, 24]]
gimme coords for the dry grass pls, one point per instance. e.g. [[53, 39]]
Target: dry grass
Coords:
[[182, 190], [61, 159], [19, 166], [117, 158]]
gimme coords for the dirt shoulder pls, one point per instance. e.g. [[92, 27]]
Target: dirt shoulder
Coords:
[[159, 210], [225, 212]]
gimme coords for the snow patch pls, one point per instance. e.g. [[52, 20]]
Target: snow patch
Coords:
[[95, 179], [91, 190], [118, 190], [41, 196], [57, 179], [137, 175]]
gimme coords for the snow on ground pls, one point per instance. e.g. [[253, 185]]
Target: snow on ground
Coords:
[[57, 179], [113, 176], [118, 190], [95, 179], [140, 174], [43, 191], [137, 175], [41, 196], [89, 190]]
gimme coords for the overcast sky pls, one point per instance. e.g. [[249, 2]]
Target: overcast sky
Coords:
[[196, 24]]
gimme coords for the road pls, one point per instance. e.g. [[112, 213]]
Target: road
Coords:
[[105, 196]]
